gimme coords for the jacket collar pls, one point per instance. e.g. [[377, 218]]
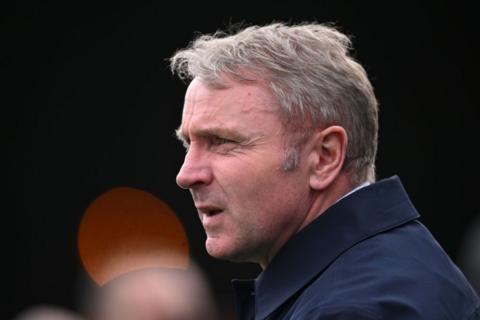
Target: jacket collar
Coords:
[[365, 213]]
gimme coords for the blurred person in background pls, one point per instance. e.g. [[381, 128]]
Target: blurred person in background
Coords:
[[280, 126], [156, 294], [469, 253], [45, 312]]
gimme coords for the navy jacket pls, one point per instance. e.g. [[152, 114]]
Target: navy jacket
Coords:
[[366, 257]]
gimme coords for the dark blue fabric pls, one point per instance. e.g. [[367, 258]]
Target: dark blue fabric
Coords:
[[366, 257]]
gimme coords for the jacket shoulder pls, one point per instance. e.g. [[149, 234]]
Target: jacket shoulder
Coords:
[[399, 274]]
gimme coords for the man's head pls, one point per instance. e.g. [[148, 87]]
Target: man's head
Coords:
[[309, 71], [278, 122]]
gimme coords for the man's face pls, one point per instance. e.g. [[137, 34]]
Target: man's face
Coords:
[[248, 205]]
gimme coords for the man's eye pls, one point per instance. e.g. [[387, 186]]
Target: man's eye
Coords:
[[216, 141]]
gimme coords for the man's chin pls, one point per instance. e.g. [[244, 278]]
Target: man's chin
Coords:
[[224, 251], [217, 249]]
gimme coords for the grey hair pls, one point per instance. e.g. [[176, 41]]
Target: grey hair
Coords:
[[309, 70]]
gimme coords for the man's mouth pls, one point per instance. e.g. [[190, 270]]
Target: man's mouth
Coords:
[[210, 217], [213, 212], [209, 211]]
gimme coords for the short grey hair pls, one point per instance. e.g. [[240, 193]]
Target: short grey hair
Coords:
[[310, 72]]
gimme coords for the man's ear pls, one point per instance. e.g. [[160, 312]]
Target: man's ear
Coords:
[[327, 156]]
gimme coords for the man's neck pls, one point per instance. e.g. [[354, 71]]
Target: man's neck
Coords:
[[324, 199], [320, 201]]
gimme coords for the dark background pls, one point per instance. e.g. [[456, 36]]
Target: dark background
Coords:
[[88, 103]]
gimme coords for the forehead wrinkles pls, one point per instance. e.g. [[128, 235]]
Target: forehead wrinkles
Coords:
[[244, 99]]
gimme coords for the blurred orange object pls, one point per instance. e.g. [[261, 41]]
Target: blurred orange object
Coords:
[[127, 229]]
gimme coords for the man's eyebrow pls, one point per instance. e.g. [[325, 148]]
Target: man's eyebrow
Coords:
[[211, 132], [221, 132], [179, 134], [183, 139]]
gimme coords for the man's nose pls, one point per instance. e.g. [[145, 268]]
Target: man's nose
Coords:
[[195, 170]]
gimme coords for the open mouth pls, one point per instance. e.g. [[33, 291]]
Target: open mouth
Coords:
[[213, 212], [208, 210]]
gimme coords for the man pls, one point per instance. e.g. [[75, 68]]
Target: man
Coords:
[[280, 126]]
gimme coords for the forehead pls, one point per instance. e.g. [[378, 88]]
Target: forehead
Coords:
[[233, 97], [236, 104]]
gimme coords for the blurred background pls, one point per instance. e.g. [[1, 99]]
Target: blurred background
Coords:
[[89, 104]]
